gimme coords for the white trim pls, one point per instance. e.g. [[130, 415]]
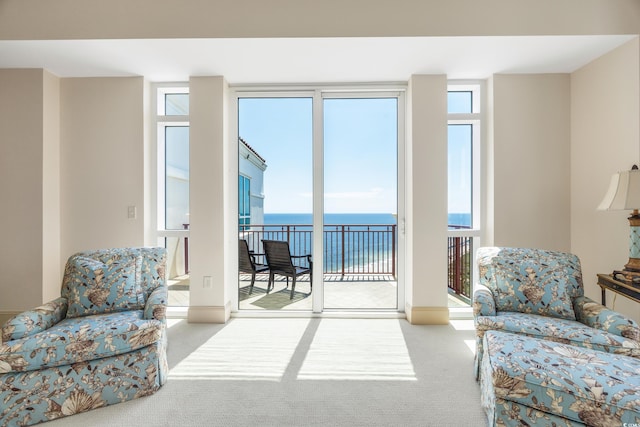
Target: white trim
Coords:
[[318, 202]]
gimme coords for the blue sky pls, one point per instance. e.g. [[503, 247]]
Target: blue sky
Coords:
[[360, 153], [360, 139]]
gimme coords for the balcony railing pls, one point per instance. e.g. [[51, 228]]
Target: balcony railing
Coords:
[[348, 249], [460, 259], [359, 249]]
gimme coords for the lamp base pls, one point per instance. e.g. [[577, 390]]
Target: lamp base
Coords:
[[633, 266]]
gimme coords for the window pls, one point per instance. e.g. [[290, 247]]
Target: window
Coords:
[[244, 203], [464, 119], [172, 207], [464, 136]]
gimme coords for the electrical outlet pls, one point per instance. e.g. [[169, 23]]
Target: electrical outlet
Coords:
[[206, 282]]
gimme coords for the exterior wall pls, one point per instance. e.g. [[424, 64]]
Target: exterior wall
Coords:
[[531, 140], [605, 139], [102, 163], [252, 167]]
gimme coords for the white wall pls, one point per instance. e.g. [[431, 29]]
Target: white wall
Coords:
[[95, 19], [102, 128], [21, 188], [605, 138], [102, 163], [252, 167], [531, 149]]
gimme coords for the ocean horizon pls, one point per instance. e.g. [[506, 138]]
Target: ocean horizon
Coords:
[[456, 219]]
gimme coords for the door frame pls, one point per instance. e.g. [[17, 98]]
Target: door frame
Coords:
[[318, 93]]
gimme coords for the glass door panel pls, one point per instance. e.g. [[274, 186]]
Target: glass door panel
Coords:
[[176, 212], [275, 202], [360, 203]]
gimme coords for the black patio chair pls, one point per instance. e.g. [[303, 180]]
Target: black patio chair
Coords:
[[280, 261], [247, 262]]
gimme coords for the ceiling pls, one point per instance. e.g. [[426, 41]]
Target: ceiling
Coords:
[[309, 60]]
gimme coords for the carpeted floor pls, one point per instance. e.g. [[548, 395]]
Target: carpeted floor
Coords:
[[308, 372]]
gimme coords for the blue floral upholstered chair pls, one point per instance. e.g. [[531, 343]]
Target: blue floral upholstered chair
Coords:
[[539, 293], [102, 342]]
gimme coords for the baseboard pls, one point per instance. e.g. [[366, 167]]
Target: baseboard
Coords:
[[209, 314], [427, 315]]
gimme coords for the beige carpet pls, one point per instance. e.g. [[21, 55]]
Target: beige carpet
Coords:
[[308, 372]]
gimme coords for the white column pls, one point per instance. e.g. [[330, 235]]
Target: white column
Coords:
[[209, 297], [426, 217]]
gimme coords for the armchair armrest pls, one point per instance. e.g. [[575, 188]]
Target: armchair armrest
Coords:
[[600, 317], [483, 302], [156, 305], [31, 322]]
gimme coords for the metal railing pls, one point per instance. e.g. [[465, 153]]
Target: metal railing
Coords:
[[348, 248], [363, 249], [460, 259]]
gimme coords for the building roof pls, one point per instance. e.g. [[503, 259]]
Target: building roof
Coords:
[[250, 148]]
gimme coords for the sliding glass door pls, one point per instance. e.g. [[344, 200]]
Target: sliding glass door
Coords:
[[360, 202], [318, 200], [275, 201]]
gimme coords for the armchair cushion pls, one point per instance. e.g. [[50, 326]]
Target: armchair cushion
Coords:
[[94, 287], [33, 321], [558, 330], [80, 339], [534, 282]]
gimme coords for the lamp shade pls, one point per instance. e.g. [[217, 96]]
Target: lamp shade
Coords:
[[623, 192]]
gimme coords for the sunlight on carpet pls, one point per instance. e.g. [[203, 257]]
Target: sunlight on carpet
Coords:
[[462, 324], [472, 345], [358, 349], [244, 349]]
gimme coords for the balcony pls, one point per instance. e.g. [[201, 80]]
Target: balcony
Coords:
[[359, 267]]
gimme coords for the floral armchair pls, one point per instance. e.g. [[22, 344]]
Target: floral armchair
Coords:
[[102, 342], [539, 293]]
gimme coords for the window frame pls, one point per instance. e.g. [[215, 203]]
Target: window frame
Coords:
[[318, 93], [475, 118], [160, 122]]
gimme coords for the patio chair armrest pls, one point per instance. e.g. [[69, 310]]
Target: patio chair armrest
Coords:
[[483, 302], [307, 256], [254, 255], [600, 317], [156, 305], [36, 320]]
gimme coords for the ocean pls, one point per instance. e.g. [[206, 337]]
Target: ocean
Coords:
[[330, 219], [455, 219]]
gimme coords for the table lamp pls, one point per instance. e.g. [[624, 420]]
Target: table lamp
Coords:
[[624, 194]]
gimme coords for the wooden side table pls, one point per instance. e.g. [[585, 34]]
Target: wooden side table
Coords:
[[607, 281]]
